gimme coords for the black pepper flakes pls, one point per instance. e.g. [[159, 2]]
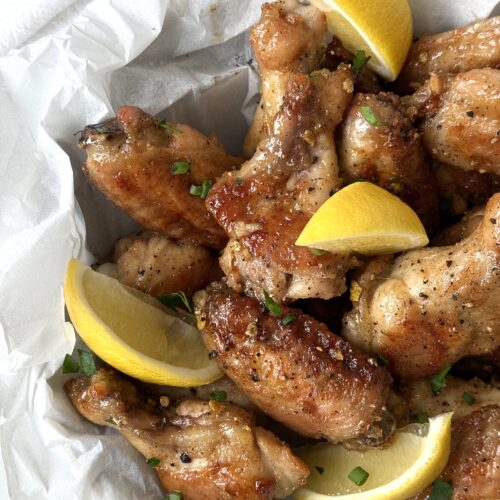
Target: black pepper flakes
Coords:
[[423, 295], [470, 114], [449, 263], [185, 458], [493, 221]]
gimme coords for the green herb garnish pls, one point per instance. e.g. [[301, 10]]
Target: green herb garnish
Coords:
[[468, 398], [438, 381], [87, 362], [359, 61], [70, 365], [381, 360], [423, 418], [201, 190], [218, 395], [319, 469], [317, 251], [180, 167], [174, 495], [441, 490], [368, 115], [239, 181], [271, 305], [288, 319], [153, 461], [358, 476], [169, 127], [173, 300], [111, 421]]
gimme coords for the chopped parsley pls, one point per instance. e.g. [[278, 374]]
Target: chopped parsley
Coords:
[[202, 190], [359, 61], [368, 115], [438, 381], [218, 395], [239, 181], [317, 251], [111, 421], [423, 418], [468, 398], [153, 461], [169, 127], [70, 365], [441, 490], [358, 476], [174, 495], [173, 300], [288, 319], [271, 305], [381, 360], [180, 167], [87, 362]]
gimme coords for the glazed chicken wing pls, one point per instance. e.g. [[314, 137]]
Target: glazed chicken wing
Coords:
[[474, 464], [206, 451], [157, 265], [295, 369], [131, 160], [388, 153], [461, 118], [264, 206], [430, 307], [476, 45], [289, 37]]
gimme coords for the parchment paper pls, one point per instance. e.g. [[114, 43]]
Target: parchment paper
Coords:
[[64, 64]]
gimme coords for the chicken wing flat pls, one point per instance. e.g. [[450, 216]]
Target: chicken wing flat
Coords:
[[157, 265], [133, 158], [388, 153], [295, 369], [289, 37], [430, 307], [461, 118], [476, 45], [264, 206], [206, 451], [474, 464]]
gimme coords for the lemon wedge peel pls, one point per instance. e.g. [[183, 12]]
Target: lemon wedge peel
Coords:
[[366, 219], [159, 364], [433, 456], [382, 28]]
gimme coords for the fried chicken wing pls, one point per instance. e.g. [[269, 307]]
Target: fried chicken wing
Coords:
[[299, 373], [264, 206], [430, 307], [388, 154], [130, 159], [157, 265], [206, 451], [476, 45], [461, 118], [289, 37], [461, 229], [474, 464]]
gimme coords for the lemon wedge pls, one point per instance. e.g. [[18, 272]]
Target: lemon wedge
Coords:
[[366, 219], [415, 458], [126, 328], [381, 28]]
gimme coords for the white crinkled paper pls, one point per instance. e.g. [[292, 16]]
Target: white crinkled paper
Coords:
[[65, 64]]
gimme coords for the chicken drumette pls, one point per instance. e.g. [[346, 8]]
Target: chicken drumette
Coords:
[[207, 451], [430, 307]]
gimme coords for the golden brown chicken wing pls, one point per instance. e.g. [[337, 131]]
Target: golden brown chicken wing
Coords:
[[294, 369], [461, 118], [476, 45], [289, 37], [205, 450], [264, 206], [430, 307], [137, 163], [157, 265], [388, 153]]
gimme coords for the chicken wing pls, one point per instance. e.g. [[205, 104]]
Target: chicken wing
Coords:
[[206, 451], [289, 37], [461, 229], [264, 206], [461, 118], [476, 45], [430, 307], [294, 369], [132, 160], [387, 153], [474, 464], [157, 265]]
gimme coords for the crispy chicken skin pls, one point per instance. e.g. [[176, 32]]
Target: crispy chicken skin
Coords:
[[389, 154], [289, 37], [476, 45], [207, 451], [264, 206], [301, 374], [130, 160], [461, 118], [430, 307], [474, 464], [157, 265]]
